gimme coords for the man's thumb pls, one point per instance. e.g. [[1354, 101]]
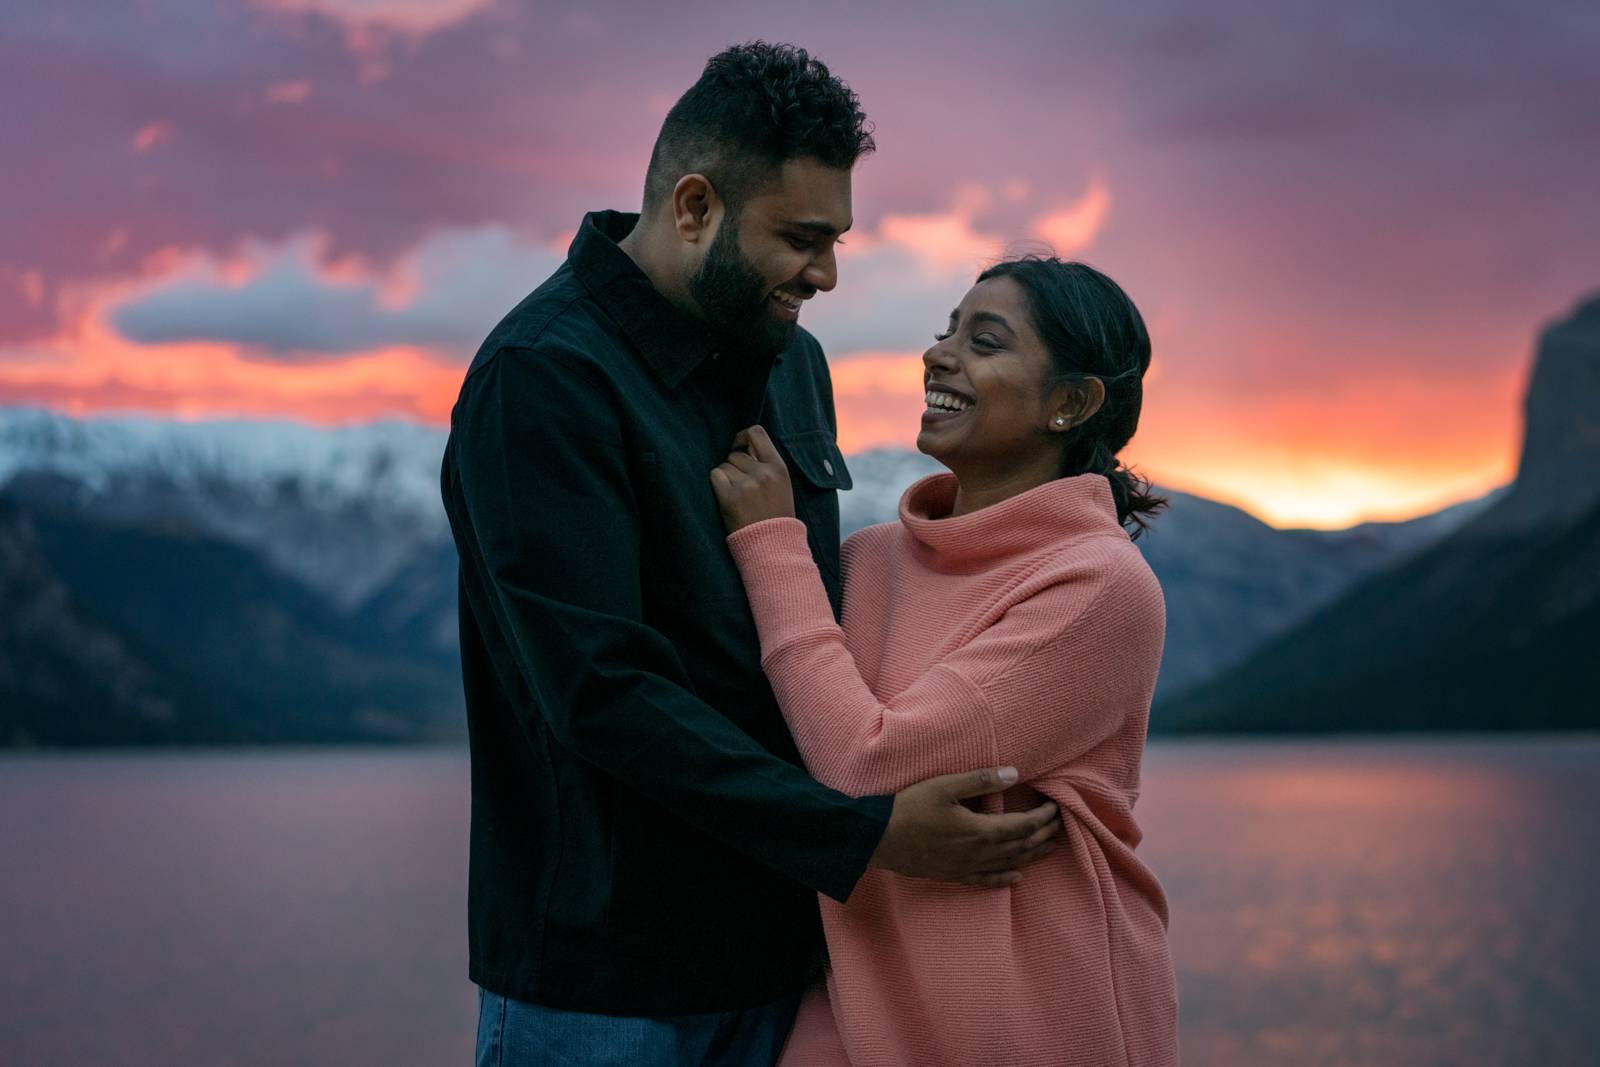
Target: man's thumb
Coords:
[[981, 783]]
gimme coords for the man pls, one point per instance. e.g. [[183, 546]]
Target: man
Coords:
[[646, 848]]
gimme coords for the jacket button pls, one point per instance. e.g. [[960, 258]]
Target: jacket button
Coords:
[[827, 465]]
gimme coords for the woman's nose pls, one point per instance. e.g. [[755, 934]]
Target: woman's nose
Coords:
[[938, 358]]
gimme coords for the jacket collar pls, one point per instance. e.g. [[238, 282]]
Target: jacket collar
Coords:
[[672, 343]]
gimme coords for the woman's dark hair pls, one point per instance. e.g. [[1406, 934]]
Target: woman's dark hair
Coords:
[[755, 107], [1092, 330]]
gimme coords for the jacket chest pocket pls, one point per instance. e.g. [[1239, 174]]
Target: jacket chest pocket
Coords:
[[818, 473]]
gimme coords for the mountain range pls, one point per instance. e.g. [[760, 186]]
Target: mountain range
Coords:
[[250, 581], [1493, 627]]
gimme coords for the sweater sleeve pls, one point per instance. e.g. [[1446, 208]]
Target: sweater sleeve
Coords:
[[1057, 674]]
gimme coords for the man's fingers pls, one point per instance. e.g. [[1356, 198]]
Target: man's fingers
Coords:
[[1045, 814], [993, 879], [1034, 854], [1044, 835], [1016, 827], [979, 783]]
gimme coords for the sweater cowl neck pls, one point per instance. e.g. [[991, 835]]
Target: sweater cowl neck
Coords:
[[1051, 514]]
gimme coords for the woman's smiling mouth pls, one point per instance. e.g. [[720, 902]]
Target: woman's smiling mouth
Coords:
[[943, 405]]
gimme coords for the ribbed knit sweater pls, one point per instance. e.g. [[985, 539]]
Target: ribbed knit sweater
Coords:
[[1025, 634]]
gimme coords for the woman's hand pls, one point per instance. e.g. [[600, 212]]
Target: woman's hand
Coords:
[[754, 483]]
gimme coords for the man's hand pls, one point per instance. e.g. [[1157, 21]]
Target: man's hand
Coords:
[[754, 483], [933, 835]]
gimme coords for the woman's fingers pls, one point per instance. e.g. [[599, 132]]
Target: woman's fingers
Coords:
[[727, 479], [755, 441], [761, 445], [744, 461]]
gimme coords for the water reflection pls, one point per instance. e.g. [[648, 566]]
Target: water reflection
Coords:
[[1404, 902], [1333, 903]]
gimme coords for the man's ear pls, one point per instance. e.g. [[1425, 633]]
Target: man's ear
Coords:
[[695, 207], [1077, 404]]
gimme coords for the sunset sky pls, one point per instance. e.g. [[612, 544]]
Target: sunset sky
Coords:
[[1345, 223]]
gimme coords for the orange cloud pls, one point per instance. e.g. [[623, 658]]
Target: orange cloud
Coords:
[[942, 241], [1355, 451], [1074, 227], [94, 370], [879, 399]]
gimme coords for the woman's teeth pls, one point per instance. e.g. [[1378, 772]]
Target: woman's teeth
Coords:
[[946, 401]]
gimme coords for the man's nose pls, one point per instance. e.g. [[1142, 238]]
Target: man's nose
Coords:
[[822, 273]]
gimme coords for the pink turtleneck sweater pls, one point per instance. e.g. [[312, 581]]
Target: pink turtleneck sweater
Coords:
[[1025, 634]]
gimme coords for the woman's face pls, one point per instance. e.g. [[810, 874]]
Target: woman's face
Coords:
[[985, 379]]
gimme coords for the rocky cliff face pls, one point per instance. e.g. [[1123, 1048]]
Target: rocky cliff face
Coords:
[[1558, 476]]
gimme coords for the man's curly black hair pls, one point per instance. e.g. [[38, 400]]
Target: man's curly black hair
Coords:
[[756, 107]]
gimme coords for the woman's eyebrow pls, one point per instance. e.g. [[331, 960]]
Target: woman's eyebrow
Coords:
[[983, 316], [990, 316]]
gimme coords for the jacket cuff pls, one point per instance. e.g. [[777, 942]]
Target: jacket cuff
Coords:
[[857, 848]]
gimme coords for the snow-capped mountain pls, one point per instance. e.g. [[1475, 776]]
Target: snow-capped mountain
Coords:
[[352, 517], [341, 510]]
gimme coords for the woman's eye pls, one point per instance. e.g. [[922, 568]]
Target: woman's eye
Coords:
[[984, 340], [943, 336]]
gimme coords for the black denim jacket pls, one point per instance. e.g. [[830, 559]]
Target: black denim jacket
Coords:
[[644, 838]]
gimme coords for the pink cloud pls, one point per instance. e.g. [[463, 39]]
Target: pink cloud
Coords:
[[419, 17], [32, 285], [152, 134], [289, 92]]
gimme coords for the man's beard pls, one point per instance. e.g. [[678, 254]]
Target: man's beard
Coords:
[[733, 296]]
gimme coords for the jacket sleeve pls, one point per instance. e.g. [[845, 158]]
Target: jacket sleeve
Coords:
[[546, 497], [1054, 676]]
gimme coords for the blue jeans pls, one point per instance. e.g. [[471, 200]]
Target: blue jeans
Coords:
[[514, 1033]]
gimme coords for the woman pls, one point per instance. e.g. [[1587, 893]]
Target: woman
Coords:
[[1006, 619]]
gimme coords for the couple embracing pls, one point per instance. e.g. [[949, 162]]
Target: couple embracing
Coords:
[[743, 796]]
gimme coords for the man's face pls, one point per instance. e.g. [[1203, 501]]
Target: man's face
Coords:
[[776, 254]]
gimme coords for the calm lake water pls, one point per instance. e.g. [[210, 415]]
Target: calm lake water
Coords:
[[1356, 902]]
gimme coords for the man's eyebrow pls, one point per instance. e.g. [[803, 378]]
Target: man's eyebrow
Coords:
[[821, 227]]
